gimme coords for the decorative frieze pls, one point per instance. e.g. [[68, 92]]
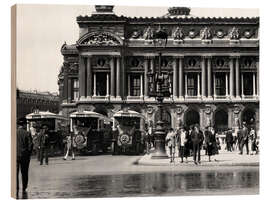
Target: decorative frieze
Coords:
[[99, 39], [206, 35]]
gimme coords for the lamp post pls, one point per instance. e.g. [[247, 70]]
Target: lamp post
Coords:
[[159, 87]]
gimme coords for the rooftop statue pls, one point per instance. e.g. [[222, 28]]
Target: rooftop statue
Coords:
[[148, 33], [178, 34], [234, 34], [206, 33]]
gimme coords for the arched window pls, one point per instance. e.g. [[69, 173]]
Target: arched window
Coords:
[[191, 117], [221, 120], [249, 116]]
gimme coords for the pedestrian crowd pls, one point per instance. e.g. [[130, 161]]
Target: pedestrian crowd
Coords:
[[187, 142]]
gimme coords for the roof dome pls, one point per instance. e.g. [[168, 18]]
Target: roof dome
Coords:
[[104, 8], [175, 11]]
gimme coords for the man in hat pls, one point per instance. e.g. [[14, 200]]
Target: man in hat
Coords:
[[182, 142], [229, 140], [210, 141], [44, 145], [24, 150], [244, 138], [171, 140], [197, 140]]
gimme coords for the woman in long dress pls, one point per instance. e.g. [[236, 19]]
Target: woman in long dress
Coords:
[[210, 141]]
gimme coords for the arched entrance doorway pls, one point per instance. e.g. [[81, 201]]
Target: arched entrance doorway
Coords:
[[192, 117], [166, 118], [249, 116], [221, 120]]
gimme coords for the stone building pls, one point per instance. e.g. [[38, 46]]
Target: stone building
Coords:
[[214, 66], [28, 101]]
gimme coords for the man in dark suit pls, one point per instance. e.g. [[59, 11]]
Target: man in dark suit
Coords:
[[197, 140], [244, 139], [210, 141], [24, 150], [44, 145], [229, 140]]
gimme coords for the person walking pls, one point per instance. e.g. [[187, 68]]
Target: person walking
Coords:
[[70, 144], [24, 150], [151, 134], [182, 142], [229, 140], [244, 139], [197, 140], [147, 141], [210, 141], [253, 139], [171, 140], [36, 142], [44, 145]]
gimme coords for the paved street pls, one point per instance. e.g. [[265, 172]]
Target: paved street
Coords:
[[118, 176], [224, 158]]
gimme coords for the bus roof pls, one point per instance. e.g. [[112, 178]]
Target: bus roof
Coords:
[[89, 114], [44, 115], [128, 113]]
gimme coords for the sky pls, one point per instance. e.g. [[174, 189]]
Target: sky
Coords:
[[42, 30]]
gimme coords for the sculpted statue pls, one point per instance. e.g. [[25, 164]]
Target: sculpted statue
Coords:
[[178, 34], [136, 34], [148, 33], [205, 33], [234, 34]]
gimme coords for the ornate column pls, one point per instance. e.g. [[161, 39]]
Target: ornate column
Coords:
[[175, 82], [198, 85], [141, 86], [65, 91], [118, 78], [254, 85], [181, 78], [258, 74], [81, 77], [186, 92], [153, 69], [69, 90], [226, 83], [128, 84], [145, 77], [89, 78], [214, 81], [209, 78], [152, 63], [237, 77], [107, 85], [123, 72], [242, 85], [231, 78], [112, 77], [95, 85], [203, 77]]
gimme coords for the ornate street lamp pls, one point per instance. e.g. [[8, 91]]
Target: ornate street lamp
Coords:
[[159, 87]]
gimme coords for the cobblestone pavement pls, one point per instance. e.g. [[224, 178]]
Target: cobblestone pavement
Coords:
[[112, 176], [224, 158]]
